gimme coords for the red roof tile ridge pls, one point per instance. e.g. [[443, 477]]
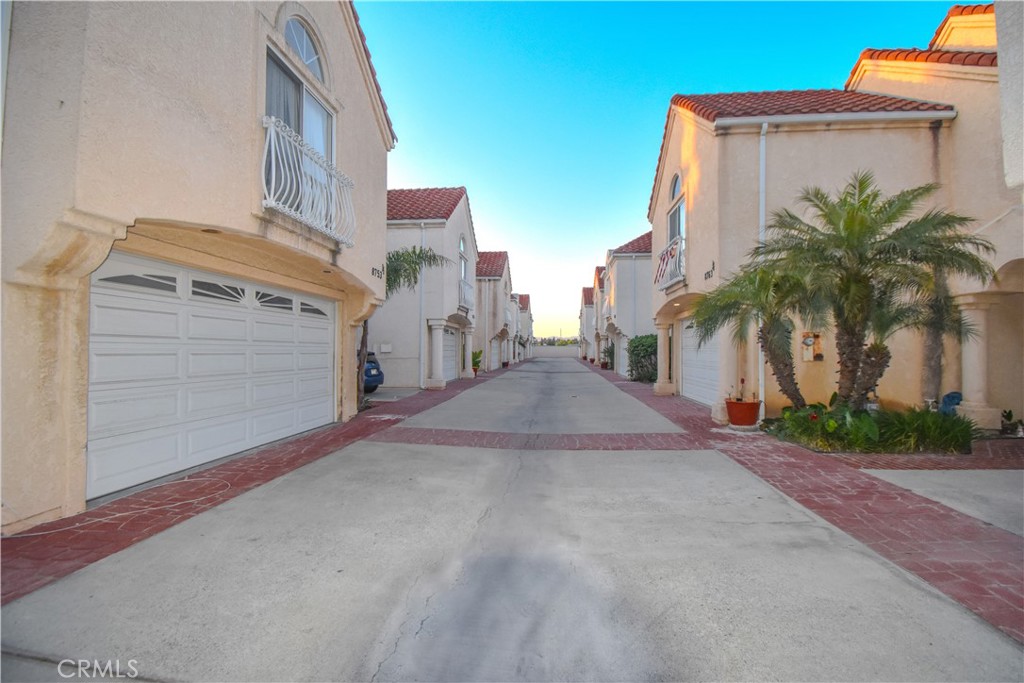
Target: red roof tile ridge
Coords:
[[491, 264], [637, 245], [424, 203], [960, 11], [979, 58]]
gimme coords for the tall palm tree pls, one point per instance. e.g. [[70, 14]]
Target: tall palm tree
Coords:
[[765, 299], [859, 243], [403, 269]]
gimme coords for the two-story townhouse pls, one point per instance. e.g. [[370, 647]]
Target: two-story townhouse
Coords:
[[512, 314], [598, 341], [911, 116], [496, 323], [587, 349], [193, 230], [424, 337], [525, 326], [627, 312]]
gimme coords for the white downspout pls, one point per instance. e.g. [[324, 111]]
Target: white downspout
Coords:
[[423, 321], [762, 211]]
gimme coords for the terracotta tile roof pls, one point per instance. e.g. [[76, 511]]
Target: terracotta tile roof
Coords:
[[640, 245], [959, 11], [783, 102], [424, 204], [373, 73], [588, 296], [491, 263], [524, 302], [788, 102], [964, 57]]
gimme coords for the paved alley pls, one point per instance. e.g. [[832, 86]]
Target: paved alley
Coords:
[[546, 523]]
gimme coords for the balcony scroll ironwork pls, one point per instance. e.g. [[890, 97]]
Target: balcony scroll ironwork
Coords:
[[300, 183]]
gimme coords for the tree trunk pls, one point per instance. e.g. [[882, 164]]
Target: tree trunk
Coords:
[[785, 373], [931, 371], [360, 378], [850, 347], [873, 365]]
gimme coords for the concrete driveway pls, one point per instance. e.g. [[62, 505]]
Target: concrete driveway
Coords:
[[403, 561]]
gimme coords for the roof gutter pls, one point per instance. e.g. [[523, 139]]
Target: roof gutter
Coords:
[[842, 117]]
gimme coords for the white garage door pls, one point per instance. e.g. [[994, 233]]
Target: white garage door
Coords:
[[451, 354], [186, 367], [700, 367]]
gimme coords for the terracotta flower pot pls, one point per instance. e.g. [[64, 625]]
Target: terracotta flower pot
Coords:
[[475, 370], [742, 413], [604, 365]]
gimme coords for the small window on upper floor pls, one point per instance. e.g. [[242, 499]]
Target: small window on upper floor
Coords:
[[463, 261], [677, 185]]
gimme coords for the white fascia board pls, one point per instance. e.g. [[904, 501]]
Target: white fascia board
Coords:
[[844, 117], [418, 223]]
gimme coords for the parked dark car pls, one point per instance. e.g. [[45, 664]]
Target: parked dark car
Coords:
[[373, 377]]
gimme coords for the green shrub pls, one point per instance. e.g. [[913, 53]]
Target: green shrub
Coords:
[[830, 429], [642, 355], [916, 431]]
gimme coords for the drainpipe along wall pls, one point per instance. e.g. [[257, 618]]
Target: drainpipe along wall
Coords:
[[423, 320], [762, 214]]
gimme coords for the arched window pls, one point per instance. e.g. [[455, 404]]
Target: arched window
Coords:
[[677, 214], [298, 39], [291, 100]]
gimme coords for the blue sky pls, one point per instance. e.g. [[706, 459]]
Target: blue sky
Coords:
[[551, 113]]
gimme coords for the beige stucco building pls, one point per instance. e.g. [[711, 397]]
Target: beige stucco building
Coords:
[[194, 204], [497, 313], [587, 324], [910, 116], [626, 304], [525, 326], [424, 337]]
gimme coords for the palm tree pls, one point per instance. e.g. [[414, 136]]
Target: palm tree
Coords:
[[861, 243], [940, 317], [766, 299], [403, 269]]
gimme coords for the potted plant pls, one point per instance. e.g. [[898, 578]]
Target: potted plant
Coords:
[[1010, 426], [742, 413], [477, 357], [609, 357]]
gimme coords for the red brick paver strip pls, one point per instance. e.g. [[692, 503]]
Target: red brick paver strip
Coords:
[[668, 441], [978, 565], [48, 552]]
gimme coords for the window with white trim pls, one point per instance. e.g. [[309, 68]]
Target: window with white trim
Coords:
[[463, 261], [677, 214], [291, 100]]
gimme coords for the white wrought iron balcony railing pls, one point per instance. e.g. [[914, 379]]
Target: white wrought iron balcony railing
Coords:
[[467, 295], [671, 264], [300, 183]]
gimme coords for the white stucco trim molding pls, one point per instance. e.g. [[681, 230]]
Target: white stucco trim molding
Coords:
[[843, 117]]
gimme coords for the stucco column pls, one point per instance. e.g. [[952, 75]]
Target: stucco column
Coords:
[[664, 385], [435, 380], [974, 364], [467, 354]]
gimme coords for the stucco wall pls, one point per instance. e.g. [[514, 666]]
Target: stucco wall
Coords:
[[1010, 29], [143, 120]]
